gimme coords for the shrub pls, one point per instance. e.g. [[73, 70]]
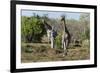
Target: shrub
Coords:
[[58, 41], [32, 29]]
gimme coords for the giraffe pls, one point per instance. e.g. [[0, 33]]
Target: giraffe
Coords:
[[51, 33], [65, 36], [48, 30]]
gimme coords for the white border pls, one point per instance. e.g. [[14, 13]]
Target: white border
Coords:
[[20, 65]]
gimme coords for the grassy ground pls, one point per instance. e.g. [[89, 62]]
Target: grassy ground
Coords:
[[37, 52]]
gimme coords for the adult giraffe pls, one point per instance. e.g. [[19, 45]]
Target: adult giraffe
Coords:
[[51, 33], [65, 36]]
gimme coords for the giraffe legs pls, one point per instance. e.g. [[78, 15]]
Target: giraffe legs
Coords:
[[52, 42], [63, 41], [65, 45], [48, 40]]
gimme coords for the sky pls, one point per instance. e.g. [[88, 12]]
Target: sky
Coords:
[[52, 14]]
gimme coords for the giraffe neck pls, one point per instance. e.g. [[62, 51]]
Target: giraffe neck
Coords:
[[64, 25]]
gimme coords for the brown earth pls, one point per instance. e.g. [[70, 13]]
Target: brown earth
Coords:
[[37, 52]]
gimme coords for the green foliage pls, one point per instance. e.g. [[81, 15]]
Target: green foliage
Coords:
[[85, 35], [32, 29], [85, 23], [27, 49], [58, 41]]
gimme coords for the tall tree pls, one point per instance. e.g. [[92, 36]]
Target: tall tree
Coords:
[[85, 22], [32, 29]]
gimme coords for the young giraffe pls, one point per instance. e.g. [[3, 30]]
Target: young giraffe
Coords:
[[48, 30], [65, 36], [51, 33]]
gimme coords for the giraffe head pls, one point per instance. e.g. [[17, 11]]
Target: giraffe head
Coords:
[[63, 19], [63, 22]]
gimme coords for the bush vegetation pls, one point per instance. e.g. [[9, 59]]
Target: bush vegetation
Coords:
[[32, 29]]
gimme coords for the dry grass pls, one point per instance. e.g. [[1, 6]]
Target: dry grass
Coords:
[[36, 52]]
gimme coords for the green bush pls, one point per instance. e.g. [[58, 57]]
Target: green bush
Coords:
[[85, 35], [32, 29], [58, 41], [27, 49]]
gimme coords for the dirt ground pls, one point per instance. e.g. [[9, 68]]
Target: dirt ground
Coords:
[[37, 52]]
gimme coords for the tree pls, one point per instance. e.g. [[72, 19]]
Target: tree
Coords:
[[32, 29], [85, 22]]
